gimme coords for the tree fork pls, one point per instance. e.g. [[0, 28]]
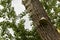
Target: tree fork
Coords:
[[41, 20]]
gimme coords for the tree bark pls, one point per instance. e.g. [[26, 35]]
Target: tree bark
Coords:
[[44, 28]]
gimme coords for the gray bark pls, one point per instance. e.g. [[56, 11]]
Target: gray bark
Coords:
[[44, 26]]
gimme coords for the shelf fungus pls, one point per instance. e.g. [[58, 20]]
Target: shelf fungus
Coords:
[[43, 21]]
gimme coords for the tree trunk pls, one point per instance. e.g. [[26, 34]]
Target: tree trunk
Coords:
[[44, 26]]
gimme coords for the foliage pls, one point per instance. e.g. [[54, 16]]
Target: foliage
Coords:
[[9, 22], [52, 7]]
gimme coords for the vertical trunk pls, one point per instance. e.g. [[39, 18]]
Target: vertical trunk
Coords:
[[44, 27]]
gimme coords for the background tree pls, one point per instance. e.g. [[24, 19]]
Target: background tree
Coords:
[[20, 33]]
